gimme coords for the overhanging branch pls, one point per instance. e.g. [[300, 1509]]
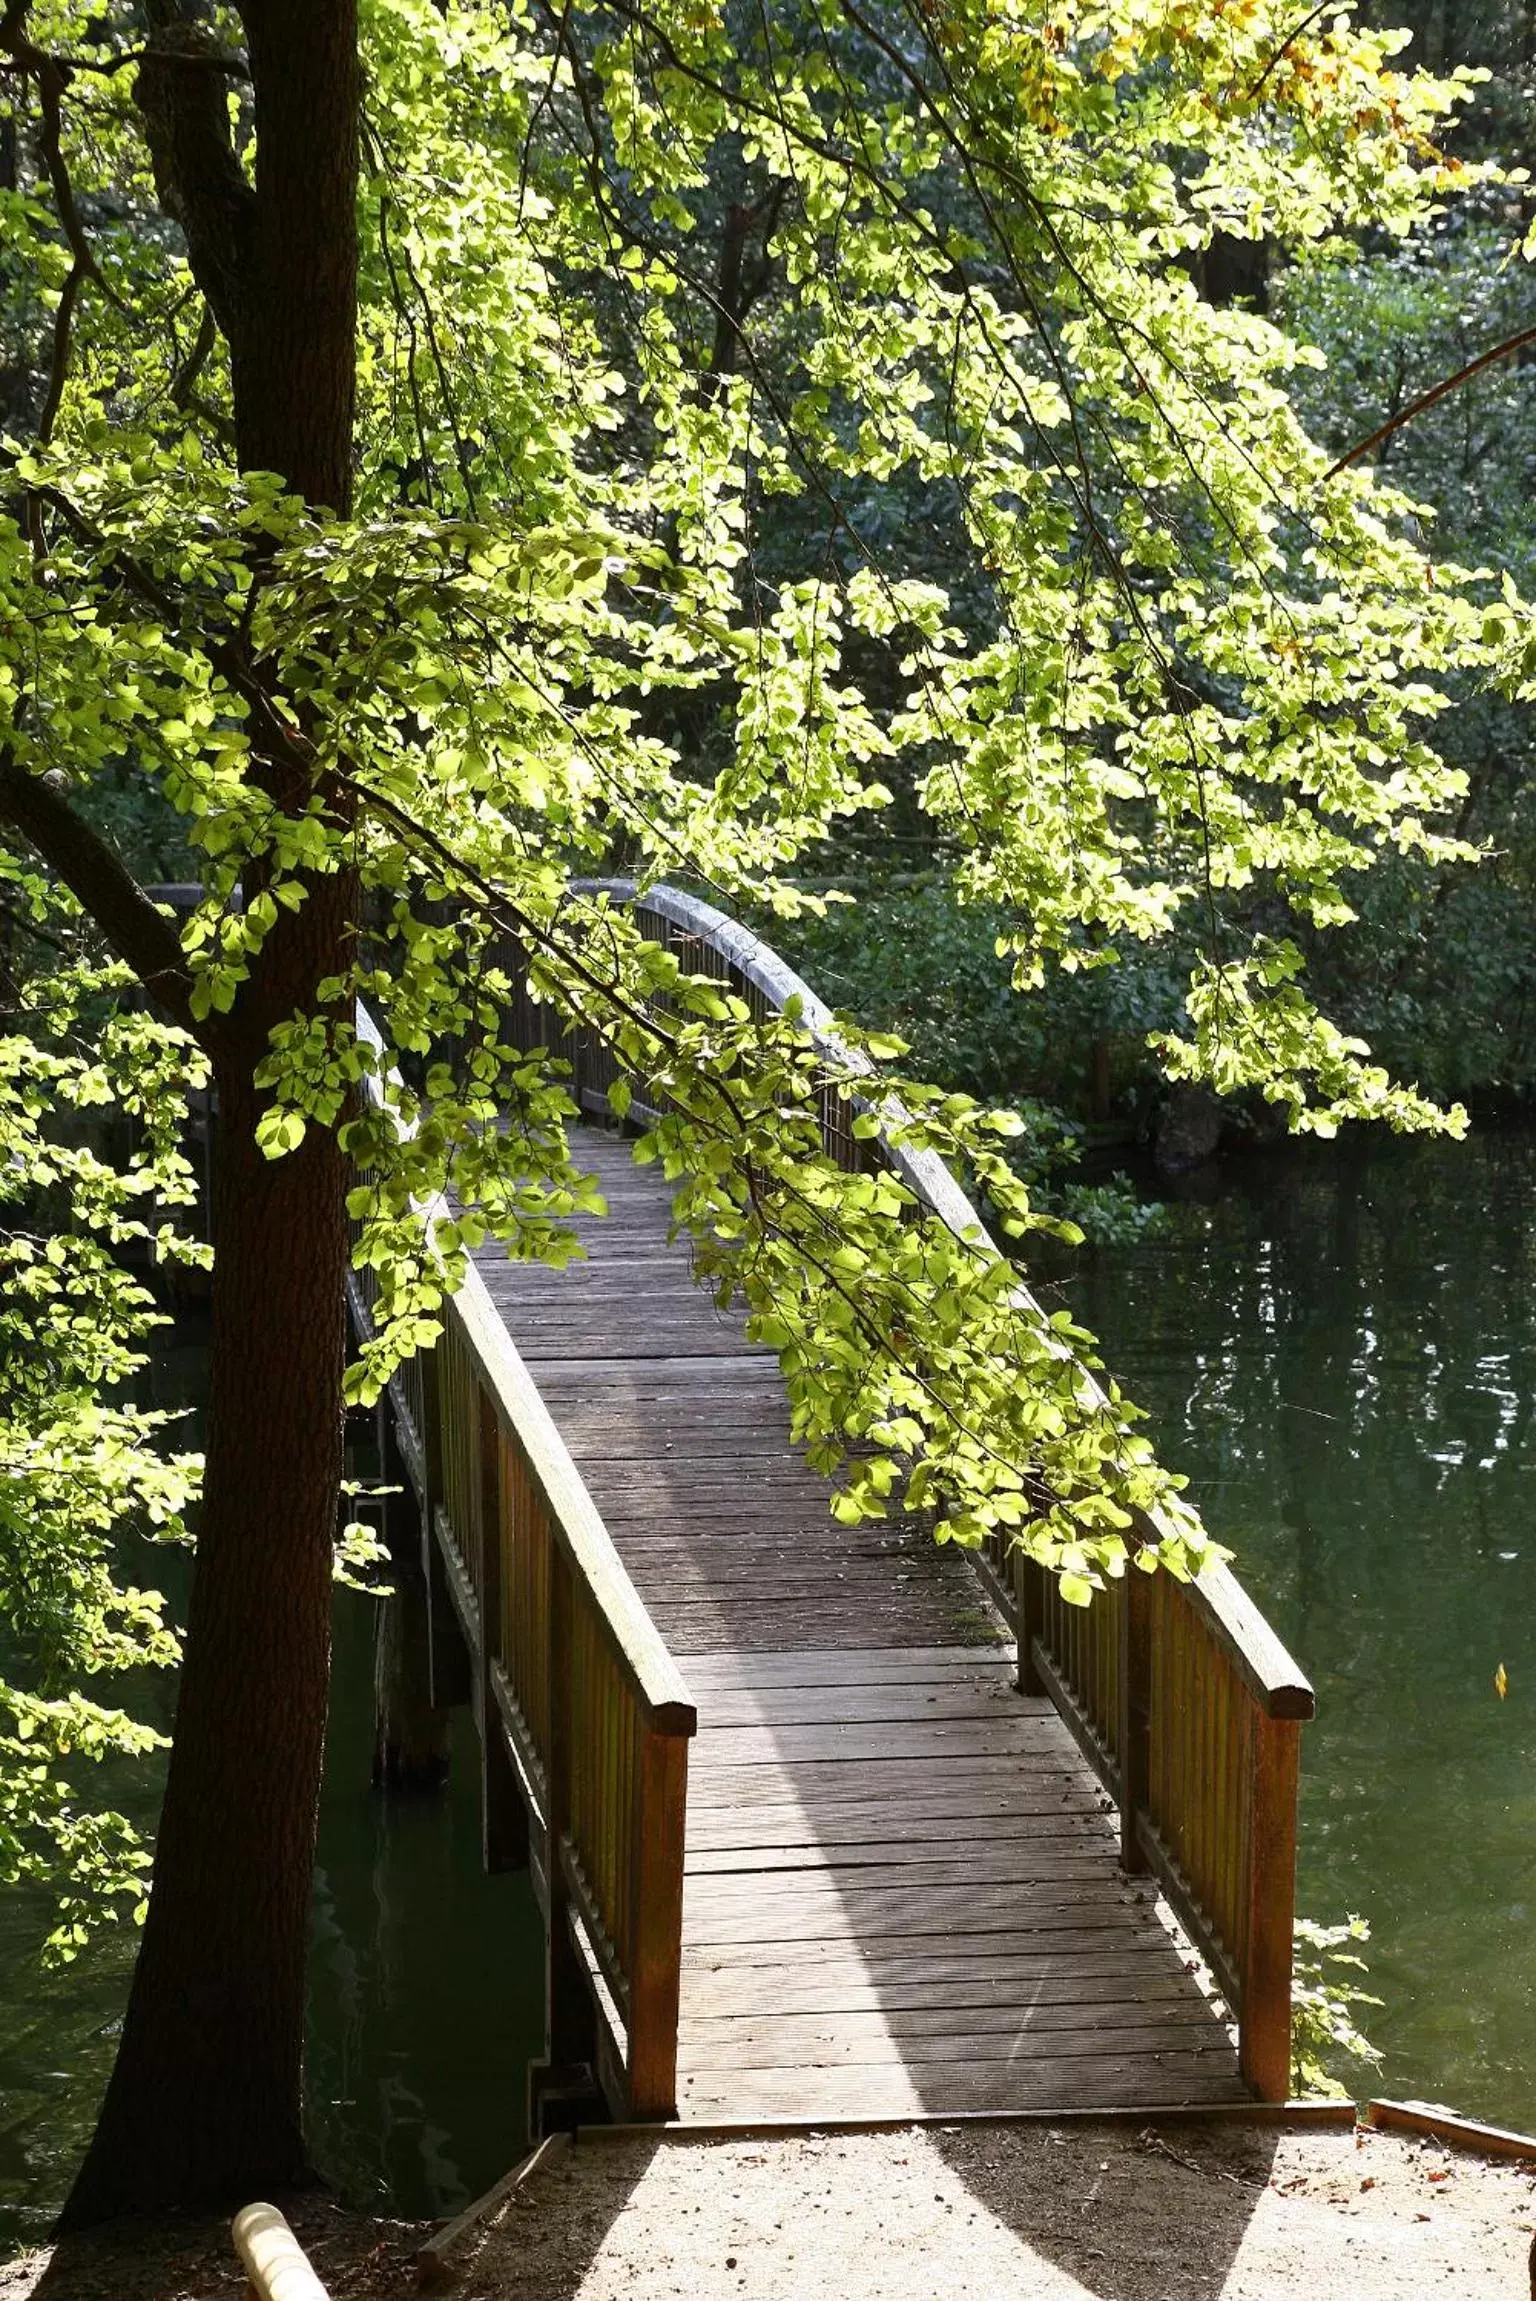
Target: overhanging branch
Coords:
[[1427, 399], [141, 935]]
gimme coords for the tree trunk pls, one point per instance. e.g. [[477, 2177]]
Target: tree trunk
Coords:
[[205, 2100]]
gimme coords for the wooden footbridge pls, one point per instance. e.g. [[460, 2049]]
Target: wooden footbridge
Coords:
[[827, 1823]]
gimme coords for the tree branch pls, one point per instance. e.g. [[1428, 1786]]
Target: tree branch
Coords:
[[1427, 399], [100, 882], [198, 176]]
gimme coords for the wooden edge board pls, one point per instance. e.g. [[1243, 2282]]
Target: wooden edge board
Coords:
[[773, 1666], [432, 2257], [1439, 2124], [1305, 2114]]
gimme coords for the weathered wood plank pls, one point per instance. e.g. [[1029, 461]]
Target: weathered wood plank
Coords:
[[1075, 1905], [960, 1701], [1043, 1855], [766, 1980], [828, 1742], [836, 1666], [738, 1787], [825, 2045], [1078, 1999], [1109, 2082], [942, 1818]]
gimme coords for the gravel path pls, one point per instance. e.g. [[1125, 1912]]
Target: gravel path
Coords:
[[987, 2213], [973, 2213]]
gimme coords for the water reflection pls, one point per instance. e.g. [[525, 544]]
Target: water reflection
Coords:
[[426, 1976], [1340, 1351]]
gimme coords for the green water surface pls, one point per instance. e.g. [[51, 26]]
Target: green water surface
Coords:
[[1339, 1349]]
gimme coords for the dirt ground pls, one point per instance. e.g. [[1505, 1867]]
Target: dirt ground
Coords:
[[990, 2213], [967, 2213], [356, 2256]]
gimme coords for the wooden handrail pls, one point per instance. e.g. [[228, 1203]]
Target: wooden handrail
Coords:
[[1180, 1694], [574, 1519], [584, 1716]]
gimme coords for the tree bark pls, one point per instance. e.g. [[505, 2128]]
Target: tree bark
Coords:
[[205, 2099], [204, 2102]]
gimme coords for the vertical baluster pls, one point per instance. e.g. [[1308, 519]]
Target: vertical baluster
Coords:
[[1242, 1830], [447, 1655], [503, 1816], [602, 1802], [571, 2033], [628, 1778], [1134, 1663], [1157, 1699], [545, 1570], [617, 1830], [1203, 1670], [1221, 1787], [1194, 1775], [581, 1738], [1030, 1617], [1111, 1633], [1178, 1720]]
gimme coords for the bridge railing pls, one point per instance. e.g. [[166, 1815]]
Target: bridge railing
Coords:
[[572, 1686], [1180, 1695]]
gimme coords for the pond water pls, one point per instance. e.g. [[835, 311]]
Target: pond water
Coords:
[[1339, 1350], [426, 1977]]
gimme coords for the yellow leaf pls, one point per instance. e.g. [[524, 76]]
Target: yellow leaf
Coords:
[[1500, 1682]]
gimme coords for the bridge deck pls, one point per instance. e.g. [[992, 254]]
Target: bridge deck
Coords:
[[901, 1892]]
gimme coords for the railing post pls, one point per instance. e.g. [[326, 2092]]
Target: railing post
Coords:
[[1264, 2018], [570, 2021], [1135, 1675], [503, 1816], [656, 1906]]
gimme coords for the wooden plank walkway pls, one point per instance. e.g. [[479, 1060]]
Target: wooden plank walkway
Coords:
[[902, 1894]]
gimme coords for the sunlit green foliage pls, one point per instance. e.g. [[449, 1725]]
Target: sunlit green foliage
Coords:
[[607, 598], [81, 1466], [1324, 1996]]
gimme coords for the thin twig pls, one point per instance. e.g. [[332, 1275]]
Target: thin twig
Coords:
[[1427, 399]]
